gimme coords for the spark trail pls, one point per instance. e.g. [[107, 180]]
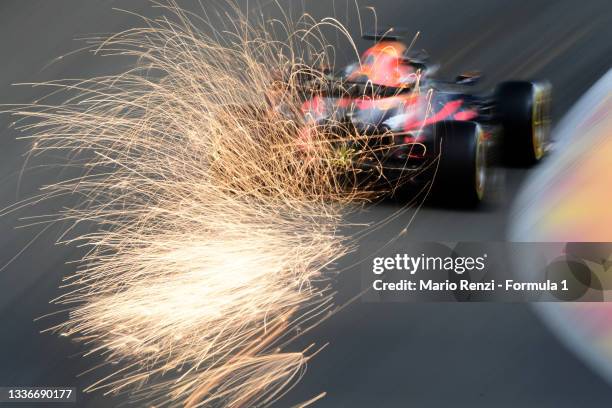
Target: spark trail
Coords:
[[215, 219]]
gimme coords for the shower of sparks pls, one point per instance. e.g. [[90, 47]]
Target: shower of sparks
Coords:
[[215, 216]]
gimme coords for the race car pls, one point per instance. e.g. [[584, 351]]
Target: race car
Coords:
[[419, 130]]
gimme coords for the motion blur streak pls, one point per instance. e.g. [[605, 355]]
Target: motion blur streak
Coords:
[[576, 184], [568, 200], [212, 227]]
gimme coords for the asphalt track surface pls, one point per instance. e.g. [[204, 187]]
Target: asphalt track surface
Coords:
[[380, 355]]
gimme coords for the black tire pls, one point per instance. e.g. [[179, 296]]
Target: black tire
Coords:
[[461, 175], [523, 109]]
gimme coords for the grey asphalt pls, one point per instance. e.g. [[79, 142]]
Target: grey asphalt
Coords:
[[380, 355]]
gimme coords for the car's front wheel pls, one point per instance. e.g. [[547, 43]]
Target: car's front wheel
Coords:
[[523, 109]]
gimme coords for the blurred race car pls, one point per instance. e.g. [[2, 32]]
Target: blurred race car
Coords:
[[416, 128]]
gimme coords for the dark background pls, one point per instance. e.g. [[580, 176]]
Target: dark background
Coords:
[[380, 355]]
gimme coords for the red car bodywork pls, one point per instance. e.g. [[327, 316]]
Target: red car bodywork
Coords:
[[414, 106]]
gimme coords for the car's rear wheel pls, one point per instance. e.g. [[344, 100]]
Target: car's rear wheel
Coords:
[[461, 175], [524, 112]]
